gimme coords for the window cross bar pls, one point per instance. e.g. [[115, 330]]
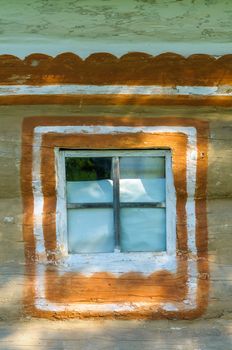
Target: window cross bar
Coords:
[[103, 205]]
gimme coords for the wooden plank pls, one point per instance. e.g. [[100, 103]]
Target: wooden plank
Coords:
[[121, 335]]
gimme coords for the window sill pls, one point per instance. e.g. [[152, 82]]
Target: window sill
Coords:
[[118, 263]]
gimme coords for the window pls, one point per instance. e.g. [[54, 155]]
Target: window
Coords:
[[118, 201]]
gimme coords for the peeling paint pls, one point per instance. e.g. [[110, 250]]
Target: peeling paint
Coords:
[[17, 90], [118, 27]]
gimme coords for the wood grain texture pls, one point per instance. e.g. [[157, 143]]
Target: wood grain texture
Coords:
[[204, 334], [135, 68], [118, 335]]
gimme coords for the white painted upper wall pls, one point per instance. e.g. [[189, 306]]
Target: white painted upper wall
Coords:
[[116, 26]]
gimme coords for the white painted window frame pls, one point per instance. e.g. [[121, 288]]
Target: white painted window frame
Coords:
[[62, 204]]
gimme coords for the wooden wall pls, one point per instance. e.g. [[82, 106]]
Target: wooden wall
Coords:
[[13, 272]]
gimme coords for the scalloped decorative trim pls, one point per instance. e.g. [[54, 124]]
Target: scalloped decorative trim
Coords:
[[135, 68]]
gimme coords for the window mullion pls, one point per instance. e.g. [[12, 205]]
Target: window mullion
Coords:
[[116, 201]]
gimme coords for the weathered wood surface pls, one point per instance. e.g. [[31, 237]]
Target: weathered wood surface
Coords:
[[116, 335], [12, 273], [115, 26], [134, 68]]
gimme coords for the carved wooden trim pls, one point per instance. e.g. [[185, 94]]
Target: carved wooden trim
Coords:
[[135, 68]]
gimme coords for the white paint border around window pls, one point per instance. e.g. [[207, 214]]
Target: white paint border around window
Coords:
[[39, 131], [167, 262], [98, 129]]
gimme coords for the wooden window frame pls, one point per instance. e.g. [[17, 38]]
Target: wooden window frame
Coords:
[[169, 205]]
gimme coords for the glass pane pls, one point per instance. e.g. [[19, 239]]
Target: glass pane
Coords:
[[88, 168], [143, 230], [142, 179], [90, 230], [89, 180], [142, 167], [89, 191]]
